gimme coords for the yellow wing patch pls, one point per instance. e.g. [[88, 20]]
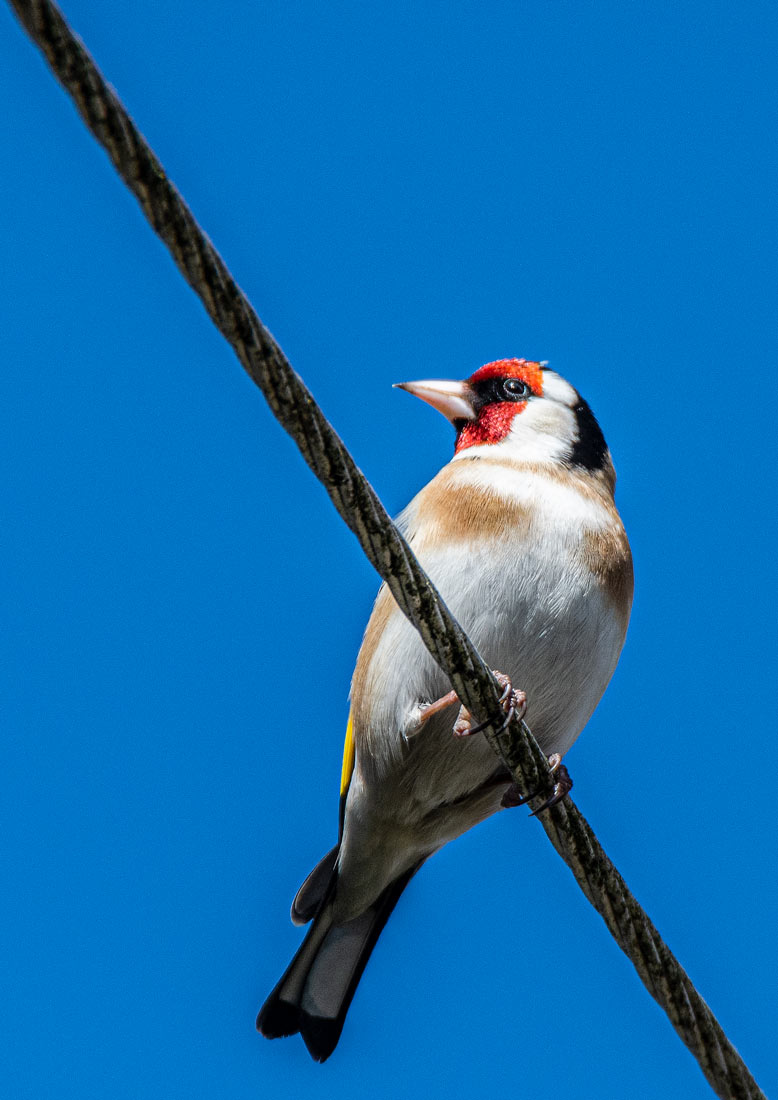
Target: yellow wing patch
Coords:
[[349, 753]]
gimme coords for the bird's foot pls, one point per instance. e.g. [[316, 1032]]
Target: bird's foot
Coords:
[[512, 701], [429, 710], [563, 784]]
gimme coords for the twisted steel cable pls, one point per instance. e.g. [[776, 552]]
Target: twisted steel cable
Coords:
[[357, 503]]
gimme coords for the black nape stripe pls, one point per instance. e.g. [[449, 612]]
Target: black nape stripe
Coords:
[[590, 449]]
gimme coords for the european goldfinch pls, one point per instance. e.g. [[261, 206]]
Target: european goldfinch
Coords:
[[520, 534]]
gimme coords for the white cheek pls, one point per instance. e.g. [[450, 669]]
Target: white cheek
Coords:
[[557, 389], [547, 418], [542, 432]]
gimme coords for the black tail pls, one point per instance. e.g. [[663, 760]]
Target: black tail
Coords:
[[314, 994], [309, 897]]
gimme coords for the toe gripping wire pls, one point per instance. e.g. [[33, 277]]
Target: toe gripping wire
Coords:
[[510, 709]]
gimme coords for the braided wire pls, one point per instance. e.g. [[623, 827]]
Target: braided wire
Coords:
[[357, 503]]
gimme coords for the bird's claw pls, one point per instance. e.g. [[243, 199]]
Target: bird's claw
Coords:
[[512, 701], [563, 784]]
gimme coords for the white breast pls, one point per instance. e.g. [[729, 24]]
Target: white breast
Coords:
[[526, 595]]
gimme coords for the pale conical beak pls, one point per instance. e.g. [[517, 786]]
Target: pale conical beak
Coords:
[[453, 399]]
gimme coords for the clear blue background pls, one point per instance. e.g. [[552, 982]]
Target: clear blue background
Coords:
[[404, 190]]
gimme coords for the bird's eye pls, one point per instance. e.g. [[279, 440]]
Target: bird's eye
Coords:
[[515, 390]]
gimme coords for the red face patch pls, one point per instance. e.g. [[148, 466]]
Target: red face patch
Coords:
[[496, 416], [525, 369]]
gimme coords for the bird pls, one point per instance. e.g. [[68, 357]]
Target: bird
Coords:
[[521, 536]]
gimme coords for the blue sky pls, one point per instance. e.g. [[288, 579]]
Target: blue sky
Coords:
[[403, 190]]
